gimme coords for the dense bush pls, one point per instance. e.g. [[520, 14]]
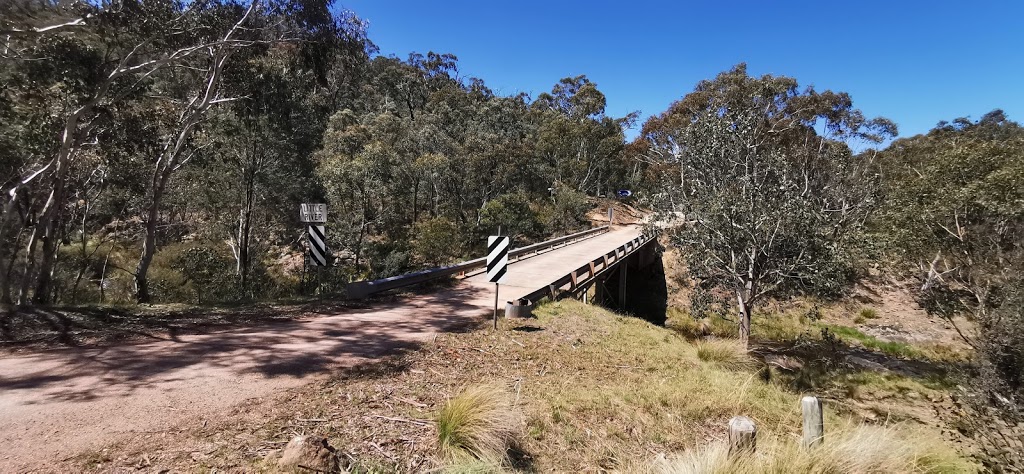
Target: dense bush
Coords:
[[437, 241], [513, 214]]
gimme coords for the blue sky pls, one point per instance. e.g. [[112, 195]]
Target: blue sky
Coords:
[[914, 62]]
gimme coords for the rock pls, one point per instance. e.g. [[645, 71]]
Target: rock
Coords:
[[310, 452], [865, 364]]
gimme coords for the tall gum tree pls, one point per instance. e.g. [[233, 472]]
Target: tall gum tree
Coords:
[[761, 204]]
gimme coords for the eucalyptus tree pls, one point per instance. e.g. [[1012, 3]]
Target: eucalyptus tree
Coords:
[[262, 145], [954, 217], [580, 145], [759, 202], [70, 65], [190, 93]]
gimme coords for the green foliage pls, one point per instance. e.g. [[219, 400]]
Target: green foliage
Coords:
[[954, 218], [513, 214], [955, 208], [567, 212], [770, 206], [404, 151], [206, 270], [437, 241]]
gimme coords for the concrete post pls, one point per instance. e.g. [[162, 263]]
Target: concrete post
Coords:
[[814, 424], [742, 435]]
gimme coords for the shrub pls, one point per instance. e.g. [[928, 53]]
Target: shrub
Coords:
[[868, 313], [513, 214], [438, 241], [478, 423], [208, 272], [391, 263], [567, 213]]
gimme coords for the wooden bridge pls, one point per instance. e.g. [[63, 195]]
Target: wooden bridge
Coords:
[[593, 263]]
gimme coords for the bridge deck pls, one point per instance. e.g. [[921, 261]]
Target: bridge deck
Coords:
[[535, 272]]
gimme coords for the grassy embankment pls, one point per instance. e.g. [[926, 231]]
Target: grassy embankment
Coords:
[[581, 388]]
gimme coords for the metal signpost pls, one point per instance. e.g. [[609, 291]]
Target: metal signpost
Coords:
[[497, 265], [622, 193], [314, 214]]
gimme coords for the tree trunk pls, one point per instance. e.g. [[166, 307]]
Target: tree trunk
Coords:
[[161, 175], [8, 267], [30, 266], [415, 202], [359, 240], [103, 275], [244, 231], [54, 218], [744, 308]]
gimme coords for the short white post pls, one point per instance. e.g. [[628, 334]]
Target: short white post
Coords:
[[814, 424], [742, 435]]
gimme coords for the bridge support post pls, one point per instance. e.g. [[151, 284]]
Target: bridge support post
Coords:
[[622, 283]]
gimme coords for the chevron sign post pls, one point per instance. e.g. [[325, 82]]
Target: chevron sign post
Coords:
[[315, 215], [497, 265], [317, 245]]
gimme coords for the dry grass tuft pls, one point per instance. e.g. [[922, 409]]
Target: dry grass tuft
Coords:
[[683, 323], [868, 313], [724, 353], [857, 449], [477, 424]]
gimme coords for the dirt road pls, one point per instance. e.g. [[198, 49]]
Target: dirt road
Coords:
[[59, 403]]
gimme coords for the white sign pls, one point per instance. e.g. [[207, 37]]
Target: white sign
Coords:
[[313, 213], [497, 258]]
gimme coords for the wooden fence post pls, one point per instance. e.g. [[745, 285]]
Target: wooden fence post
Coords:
[[814, 424], [742, 435]]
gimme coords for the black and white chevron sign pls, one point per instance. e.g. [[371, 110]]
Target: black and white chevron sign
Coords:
[[497, 258], [318, 245]]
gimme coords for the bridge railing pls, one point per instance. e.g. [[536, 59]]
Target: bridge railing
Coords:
[[581, 277], [362, 289]]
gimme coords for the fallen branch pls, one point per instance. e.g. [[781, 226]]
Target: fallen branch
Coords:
[[412, 402], [402, 420], [385, 453]]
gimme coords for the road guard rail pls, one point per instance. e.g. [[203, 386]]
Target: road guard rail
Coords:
[[582, 277], [362, 289]]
